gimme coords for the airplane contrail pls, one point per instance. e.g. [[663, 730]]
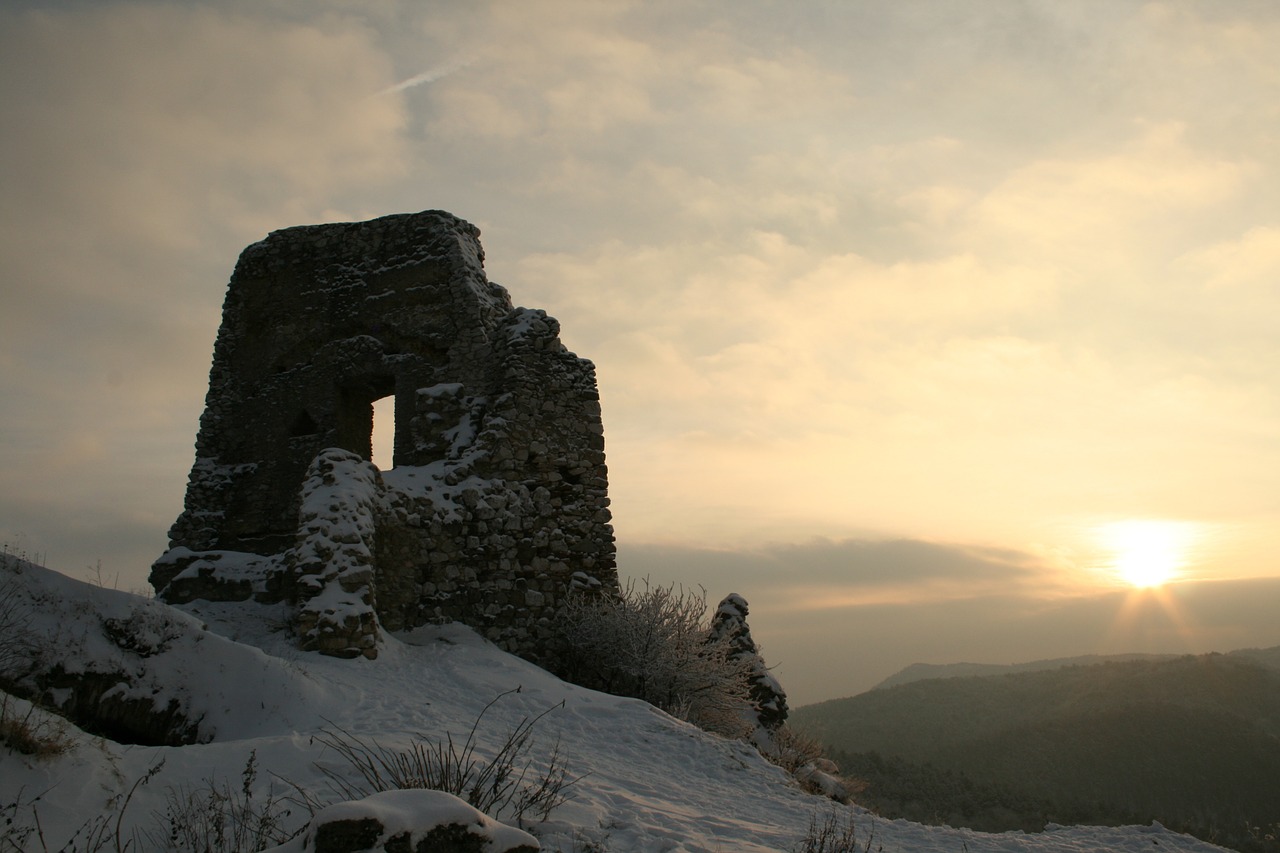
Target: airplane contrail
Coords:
[[429, 76]]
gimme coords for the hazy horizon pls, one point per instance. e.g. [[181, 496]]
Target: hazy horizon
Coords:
[[935, 330]]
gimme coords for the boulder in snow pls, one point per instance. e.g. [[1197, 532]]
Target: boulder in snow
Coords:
[[412, 821]]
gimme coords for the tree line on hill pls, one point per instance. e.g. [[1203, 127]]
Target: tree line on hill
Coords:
[[1192, 742]]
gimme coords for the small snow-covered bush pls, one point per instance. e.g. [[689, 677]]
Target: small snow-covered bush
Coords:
[[655, 643], [148, 630]]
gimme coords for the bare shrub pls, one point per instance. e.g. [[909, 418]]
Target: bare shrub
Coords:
[[17, 824], [219, 819], [506, 784], [655, 644], [804, 758], [12, 551], [29, 731], [21, 831], [831, 833], [794, 749], [17, 642], [209, 819]]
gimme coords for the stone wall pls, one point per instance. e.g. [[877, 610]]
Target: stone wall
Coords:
[[498, 498]]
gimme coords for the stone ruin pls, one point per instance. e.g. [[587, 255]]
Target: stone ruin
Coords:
[[497, 504]]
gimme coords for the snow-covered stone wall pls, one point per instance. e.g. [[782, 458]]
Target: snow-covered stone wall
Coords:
[[499, 491]]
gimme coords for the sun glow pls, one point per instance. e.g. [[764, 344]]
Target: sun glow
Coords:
[[1146, 553]]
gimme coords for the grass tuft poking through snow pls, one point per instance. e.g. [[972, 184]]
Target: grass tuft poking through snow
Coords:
[[507, 786], [832, 833]]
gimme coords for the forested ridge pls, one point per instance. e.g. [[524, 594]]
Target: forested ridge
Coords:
[[1193, 742]]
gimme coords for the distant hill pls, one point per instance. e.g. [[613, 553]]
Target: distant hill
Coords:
[[1269, 658], [1191, 741], [924, 671]]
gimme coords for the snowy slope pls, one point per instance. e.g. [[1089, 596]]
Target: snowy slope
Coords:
[[650, 782]]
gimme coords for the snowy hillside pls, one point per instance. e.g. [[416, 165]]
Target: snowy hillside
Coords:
[[648, 782]]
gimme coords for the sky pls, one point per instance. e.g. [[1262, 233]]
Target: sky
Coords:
[[922, 325]]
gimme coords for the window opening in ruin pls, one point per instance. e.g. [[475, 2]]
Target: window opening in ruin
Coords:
[[384, 432], [354, 421]]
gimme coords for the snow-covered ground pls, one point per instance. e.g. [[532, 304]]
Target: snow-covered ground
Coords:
[[648, 782]]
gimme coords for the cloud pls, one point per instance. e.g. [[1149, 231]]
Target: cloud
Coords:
[[950, 603], [928, 302], [542, 74], [822, 574], [144, 145], [851, 391], [1230, 285], [1096, 209], [861, 646], [853, 271]]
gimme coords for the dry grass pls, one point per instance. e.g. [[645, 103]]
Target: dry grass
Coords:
[[832, 833], [31, 730], [507, 785]]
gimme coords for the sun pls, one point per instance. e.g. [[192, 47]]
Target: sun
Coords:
[[1146, 554]]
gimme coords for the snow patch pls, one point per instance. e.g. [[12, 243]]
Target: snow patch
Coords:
[[648, 782]]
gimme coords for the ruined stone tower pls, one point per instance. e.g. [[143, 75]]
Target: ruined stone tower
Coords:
[[497, 504]]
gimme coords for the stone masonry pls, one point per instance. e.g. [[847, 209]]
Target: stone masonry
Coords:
[[497, 504]]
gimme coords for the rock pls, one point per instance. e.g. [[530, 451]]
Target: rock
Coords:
[[413, 821], [822, 782], [103, 676], [346, 835], [767, 696]]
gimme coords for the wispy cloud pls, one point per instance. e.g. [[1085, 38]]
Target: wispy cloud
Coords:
[[850, 572], [431, 75]]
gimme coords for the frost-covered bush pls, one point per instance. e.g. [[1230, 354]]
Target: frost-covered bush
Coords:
[[655, 643]]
